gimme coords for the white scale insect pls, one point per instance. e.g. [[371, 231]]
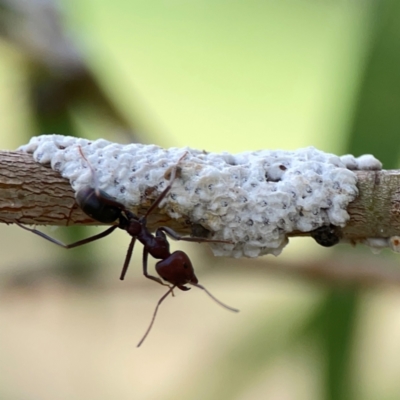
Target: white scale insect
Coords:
[[253, 199]]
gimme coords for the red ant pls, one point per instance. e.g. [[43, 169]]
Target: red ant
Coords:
[[174, 268]]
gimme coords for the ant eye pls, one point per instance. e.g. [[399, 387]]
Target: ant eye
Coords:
[[185, 266]]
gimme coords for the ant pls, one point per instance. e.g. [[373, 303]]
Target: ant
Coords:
[[174, 268]]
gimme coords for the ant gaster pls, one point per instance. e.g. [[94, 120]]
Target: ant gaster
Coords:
[[174, 268]]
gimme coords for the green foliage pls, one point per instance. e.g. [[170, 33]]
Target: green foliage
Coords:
[[233, 76]]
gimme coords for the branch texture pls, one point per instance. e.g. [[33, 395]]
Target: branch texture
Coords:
[[33, 193]]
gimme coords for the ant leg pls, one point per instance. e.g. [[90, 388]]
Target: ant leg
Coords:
[[71, 211], [172, 234], [167, 189], [94, 175], [127, 258], [72, 245], [154, 314], [146, 274], [99, 193]]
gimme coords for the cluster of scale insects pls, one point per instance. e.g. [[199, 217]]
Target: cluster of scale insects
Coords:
[[174, 268]]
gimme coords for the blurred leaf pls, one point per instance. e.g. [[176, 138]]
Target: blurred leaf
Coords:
[[375, 130], [333, 326], [245, 357], [376, 123]]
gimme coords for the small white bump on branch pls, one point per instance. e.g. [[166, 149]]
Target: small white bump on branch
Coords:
[[254, 199]]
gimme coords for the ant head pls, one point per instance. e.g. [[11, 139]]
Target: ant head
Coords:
[[177, 269], [94, 205]]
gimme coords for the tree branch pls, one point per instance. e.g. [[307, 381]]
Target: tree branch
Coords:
[[375, 213], [31, 193], [34, 194]]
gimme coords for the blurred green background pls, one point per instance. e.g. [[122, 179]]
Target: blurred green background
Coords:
[[214, 75]]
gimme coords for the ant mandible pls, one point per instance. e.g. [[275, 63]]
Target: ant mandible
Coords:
[[174, 268]]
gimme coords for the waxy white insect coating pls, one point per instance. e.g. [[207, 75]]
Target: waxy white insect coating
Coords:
[[254, 199]]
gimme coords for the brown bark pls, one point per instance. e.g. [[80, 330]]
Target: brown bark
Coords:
[[31, 193]]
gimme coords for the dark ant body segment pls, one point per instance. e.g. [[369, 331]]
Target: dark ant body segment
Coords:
[[94, 206], [327, 235], [174, 268]]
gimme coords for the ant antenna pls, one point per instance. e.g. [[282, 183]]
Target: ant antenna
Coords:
[[170, 174], [170, 290], [94, 175], [214, 298]]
